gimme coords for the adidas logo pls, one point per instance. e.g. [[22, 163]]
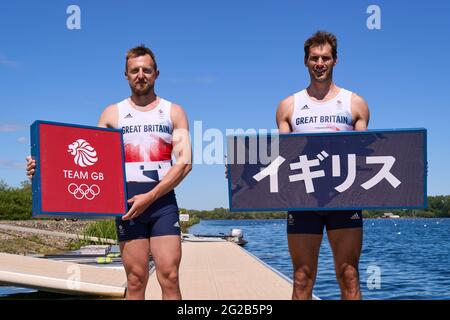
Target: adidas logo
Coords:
[[305, 107], [128, 116], [355, 217], [177, 224]]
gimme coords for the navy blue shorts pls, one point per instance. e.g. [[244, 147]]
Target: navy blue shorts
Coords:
[[160, 219], [313, 222]]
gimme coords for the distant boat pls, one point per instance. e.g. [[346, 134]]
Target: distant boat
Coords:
[[390, 215], [236, 236]]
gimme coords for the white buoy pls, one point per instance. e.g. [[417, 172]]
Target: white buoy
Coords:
[[399, 233]]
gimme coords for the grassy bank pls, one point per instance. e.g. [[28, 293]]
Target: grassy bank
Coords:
[[29, 244], [24, 243]]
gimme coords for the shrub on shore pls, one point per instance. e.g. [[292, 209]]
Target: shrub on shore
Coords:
[[105, 229], [15, 203]]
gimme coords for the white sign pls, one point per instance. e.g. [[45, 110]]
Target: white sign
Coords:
[[184, 217]]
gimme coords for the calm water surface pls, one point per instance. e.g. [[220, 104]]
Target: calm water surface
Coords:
[[411, 255]]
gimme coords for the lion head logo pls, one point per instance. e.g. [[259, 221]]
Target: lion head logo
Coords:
[[85, 154]]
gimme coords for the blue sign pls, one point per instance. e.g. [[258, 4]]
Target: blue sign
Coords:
[[375, 169]]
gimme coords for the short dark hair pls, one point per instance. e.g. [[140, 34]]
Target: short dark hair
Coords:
[[138, 51], [321, 38]]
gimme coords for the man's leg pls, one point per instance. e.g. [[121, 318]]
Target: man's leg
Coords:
[[304, 250], [346, 246], [166, 252], [135, 255]]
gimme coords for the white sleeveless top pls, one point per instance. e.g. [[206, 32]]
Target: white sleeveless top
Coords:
[[312, 116], [147, 138]]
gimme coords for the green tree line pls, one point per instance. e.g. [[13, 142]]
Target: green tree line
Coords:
[[15, 204]]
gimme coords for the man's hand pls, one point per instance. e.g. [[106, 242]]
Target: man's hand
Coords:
[[140, 203], [31, 166]]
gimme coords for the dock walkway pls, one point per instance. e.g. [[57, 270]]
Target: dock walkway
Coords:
[[224, 271]]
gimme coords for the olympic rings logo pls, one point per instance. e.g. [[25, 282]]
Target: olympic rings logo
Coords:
[[83, 191]]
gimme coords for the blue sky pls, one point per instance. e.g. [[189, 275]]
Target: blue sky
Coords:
[[228, 63]]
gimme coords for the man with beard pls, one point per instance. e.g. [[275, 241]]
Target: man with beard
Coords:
[[327, 104], [152, 129]]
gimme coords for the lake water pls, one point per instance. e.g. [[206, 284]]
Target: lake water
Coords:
[[411, 255]]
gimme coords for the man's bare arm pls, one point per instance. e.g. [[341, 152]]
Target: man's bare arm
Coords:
[[360, 112], [283, 115], [182, 150], [109, 117]]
